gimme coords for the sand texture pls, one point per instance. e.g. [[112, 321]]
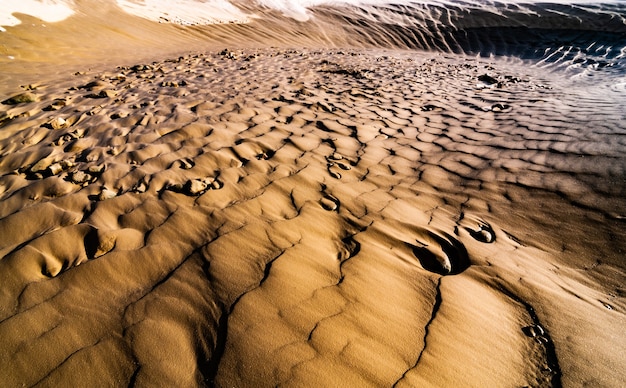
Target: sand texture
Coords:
[[312, 218]]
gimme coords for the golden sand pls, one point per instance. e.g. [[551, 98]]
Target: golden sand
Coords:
[[310, 218]]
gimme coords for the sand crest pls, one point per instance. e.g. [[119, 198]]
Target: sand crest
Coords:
[[311, 218]]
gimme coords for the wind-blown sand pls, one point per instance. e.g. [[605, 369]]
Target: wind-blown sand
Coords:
[[329, 218], [307, 217]]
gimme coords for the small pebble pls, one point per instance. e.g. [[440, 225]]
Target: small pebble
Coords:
[[58, 123], [97, 169], [55, 168], [80, 177], [107, 194], [195, 187]]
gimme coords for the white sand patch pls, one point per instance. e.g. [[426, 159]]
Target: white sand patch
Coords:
[[186, 12], [48, 10]]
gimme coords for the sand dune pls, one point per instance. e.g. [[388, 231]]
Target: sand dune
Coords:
[[311, 217], [578, 37]]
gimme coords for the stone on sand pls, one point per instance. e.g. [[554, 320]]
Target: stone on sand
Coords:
[[21, 98]]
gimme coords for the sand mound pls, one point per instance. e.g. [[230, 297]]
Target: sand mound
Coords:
[[298, 218]]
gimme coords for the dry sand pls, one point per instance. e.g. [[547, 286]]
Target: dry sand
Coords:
[[312, 218]]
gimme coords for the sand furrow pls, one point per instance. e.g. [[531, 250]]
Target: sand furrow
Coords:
[[537, 331]]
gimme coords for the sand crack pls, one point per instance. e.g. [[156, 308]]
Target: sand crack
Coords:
[[433, 315]]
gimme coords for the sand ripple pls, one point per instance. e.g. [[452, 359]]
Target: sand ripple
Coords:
[[283, 217]]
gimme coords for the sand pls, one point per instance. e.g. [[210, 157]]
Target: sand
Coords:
[[274, 217]]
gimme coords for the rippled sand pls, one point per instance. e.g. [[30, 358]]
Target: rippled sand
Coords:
[[312, 218]]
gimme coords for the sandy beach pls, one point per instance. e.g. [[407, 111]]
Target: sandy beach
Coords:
[[342, 217]]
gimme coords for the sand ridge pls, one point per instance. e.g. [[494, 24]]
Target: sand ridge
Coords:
[[295, 217]]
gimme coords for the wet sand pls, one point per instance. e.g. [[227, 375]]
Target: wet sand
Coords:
[[312, 217]]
